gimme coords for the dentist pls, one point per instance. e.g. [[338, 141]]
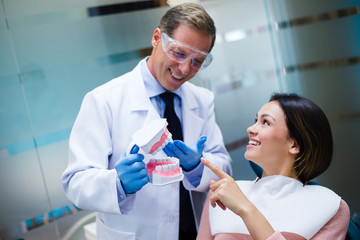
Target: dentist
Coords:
[[102, 177]]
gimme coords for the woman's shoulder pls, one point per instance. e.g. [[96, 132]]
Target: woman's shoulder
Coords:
[[336, 227]]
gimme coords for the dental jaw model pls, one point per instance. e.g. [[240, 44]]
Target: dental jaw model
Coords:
[[164, 170], [152, 138]]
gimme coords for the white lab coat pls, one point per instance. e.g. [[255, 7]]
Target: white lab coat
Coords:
[[109, 115]]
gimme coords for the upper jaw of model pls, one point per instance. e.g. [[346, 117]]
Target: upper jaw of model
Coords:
[[152, 138]]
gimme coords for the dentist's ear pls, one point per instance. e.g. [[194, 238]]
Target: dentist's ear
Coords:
[[156, 37]]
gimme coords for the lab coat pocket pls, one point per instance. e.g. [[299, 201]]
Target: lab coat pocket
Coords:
[[103, 232]]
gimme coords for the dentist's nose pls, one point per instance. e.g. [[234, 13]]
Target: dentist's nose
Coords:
[[185, 67]]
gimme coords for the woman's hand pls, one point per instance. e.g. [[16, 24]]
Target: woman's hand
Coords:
[[226, 192]]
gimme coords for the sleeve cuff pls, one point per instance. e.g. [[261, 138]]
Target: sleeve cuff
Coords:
[[120, 191], [194, 176]]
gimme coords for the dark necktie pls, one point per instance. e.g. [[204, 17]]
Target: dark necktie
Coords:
[[187, 228]]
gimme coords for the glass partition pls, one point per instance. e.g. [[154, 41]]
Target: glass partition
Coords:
[[317, 53], [242, 74], [51, 55]]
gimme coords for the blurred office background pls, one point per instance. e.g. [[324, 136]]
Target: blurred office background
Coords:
[[53, 52]]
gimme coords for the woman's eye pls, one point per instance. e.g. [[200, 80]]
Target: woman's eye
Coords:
[[266, 122]]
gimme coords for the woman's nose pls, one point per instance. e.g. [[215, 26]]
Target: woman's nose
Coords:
[[251, 129]]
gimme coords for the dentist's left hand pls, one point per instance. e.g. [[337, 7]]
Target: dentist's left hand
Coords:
[[189, 156], [132, 171]]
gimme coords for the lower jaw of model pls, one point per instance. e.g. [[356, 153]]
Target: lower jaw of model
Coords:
[[164, 170]]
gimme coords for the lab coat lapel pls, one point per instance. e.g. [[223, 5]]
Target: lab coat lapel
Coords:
[[192, 123], [139, 100]]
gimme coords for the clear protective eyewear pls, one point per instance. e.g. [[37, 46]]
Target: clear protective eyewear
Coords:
[[180, 52]]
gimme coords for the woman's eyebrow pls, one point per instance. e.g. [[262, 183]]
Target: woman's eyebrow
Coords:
[[266, 115]]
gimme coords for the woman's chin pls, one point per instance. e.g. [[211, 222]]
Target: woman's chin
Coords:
[[247, 156]]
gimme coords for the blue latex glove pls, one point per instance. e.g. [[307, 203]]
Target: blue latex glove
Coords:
[[189, 156], [132, 171]]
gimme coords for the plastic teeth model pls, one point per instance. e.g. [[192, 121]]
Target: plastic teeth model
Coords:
[[152, 138], [164, 170]]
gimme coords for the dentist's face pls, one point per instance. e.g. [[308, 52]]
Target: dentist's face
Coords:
[[171, 74]]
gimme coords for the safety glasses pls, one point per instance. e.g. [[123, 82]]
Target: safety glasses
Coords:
[[180, 52]]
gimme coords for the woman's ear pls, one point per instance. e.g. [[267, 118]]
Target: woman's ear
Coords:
[[294, 149], [156, 37]]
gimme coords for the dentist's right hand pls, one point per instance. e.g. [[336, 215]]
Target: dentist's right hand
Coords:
[[132, 171]]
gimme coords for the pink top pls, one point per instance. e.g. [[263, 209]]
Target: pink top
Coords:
[[334, 229]]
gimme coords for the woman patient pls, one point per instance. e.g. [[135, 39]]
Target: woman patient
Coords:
[[291, 140]]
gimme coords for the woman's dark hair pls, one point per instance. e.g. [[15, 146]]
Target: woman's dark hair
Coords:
[[309, 127]]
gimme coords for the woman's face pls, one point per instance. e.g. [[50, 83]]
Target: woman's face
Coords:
[[269, 143]]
